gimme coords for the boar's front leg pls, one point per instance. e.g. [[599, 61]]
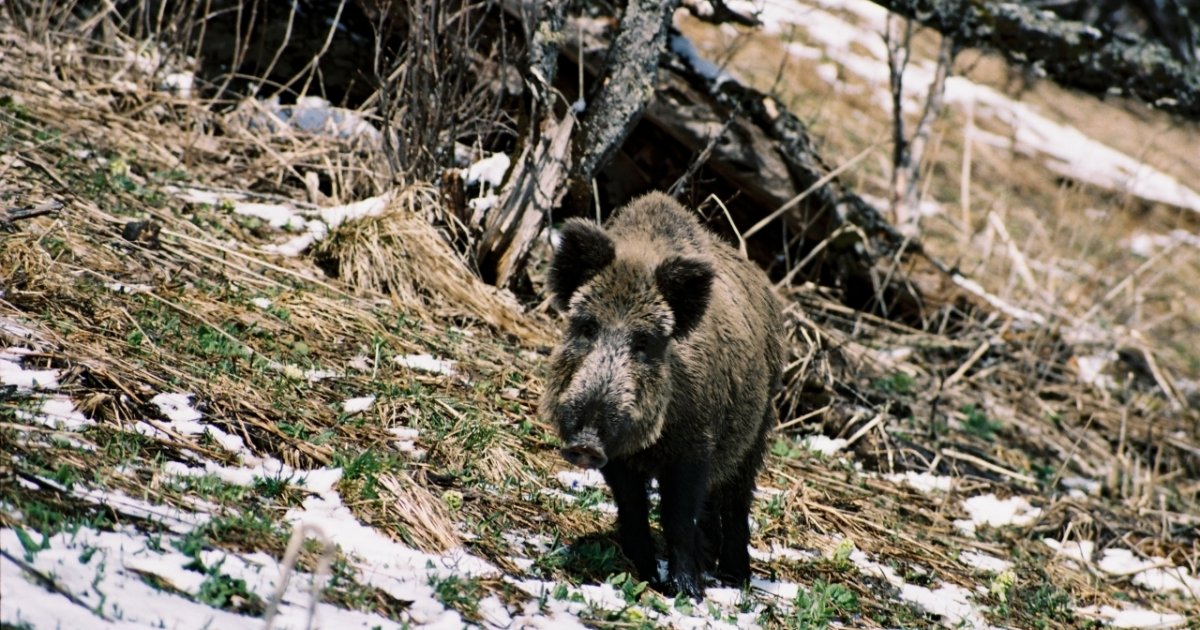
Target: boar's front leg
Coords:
[[633, 516], [683, 486]]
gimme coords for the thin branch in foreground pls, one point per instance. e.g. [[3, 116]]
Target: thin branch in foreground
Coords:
[[702, 158]]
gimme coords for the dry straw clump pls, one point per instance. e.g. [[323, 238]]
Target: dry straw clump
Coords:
[[400, 253]]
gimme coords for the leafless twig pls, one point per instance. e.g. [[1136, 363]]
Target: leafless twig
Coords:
[[908, 153]]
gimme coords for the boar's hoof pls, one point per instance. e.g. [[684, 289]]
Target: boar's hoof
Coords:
[[737, 579], [686, 585], [585, 456]]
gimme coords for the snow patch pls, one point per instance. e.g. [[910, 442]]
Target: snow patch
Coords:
[[12, 328], [925, 482], [489, 171], [683, 48], [106, 574], [173, 518], [984, 562], [829, 74], [357, 405], [824, 445], [277, 215], [319, 480], [180, 83], [951, 602], [1133, 617], [57, 412], [1078, 552], [1081, 487], [176, 407], [331, 217], [183, 419], [986, 509], [574, 480], [295, 246], [386, 555], [405, 441], [1153, 573], [427, 363], [480, 205], [334, 216], [400, 571], [13, 374], [1090, 370]]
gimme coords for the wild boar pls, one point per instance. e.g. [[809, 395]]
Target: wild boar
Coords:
[[667, 370]]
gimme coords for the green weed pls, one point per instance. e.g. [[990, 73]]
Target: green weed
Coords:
[[457, 593], [227, 593], [817, 606], [978, 424]]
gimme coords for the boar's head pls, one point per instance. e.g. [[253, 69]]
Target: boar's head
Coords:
[[628, 304]]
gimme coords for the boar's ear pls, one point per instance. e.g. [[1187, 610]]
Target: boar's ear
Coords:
[[686, 284], [583, 250]]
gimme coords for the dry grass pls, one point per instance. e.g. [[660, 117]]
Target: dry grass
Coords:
[[994, 405], [401, 254]]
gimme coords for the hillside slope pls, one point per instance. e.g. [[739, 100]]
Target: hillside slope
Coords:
[[198, 417]]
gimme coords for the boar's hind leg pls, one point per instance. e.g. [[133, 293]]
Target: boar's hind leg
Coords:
[[683, 486], [710, 530], [734, 501], [633, 517], [734, 562]]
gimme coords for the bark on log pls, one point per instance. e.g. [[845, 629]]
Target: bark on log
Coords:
[[627, 85], [1073, 54]]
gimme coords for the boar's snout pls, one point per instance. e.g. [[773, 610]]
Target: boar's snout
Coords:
[[585, 450], [585, 456]]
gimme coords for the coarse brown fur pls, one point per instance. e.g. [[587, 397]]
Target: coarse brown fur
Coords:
[[667, 370]]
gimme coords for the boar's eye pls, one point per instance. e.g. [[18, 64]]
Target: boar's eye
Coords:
[[648, 347]]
